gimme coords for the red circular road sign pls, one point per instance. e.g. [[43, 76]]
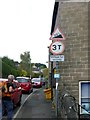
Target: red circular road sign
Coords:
[[57, 47]]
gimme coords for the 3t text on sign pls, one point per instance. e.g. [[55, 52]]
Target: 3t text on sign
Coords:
[[57, 47]]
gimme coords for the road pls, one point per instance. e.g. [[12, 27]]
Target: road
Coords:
[[24, 98], [36, 106]]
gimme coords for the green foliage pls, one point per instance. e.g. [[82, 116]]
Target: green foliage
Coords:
[[36, 75], [41, 66], [45, 72], [7, 69], [24, 68], [9, 61], [23, 73], [46, 77], [25, 62]]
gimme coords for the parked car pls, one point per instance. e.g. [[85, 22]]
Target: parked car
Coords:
[[17, 94], [37, 82], [25, 84]]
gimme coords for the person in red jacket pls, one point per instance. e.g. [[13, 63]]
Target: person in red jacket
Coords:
[[7, 103]]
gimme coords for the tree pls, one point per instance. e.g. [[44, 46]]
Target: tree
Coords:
[[45, 75], [40, 65], [25, 62], [45, 72], [9, 61], [23, 73], [9, 67]]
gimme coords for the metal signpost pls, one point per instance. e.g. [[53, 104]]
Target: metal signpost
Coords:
[[57, 58], [57, 77], [57, 48]]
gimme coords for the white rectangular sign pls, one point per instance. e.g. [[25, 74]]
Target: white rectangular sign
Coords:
[[56, 57], [56, 75]]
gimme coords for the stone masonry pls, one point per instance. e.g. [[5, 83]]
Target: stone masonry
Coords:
[[72, 19]]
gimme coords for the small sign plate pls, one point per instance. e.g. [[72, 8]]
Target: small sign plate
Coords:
[[56, 58], [56, 75]]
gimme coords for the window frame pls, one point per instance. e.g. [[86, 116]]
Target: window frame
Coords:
[[80, 102]]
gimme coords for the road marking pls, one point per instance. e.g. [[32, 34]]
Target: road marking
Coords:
[[22, 105]]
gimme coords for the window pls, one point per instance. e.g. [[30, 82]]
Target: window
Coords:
[[22, 80], [84, 96]]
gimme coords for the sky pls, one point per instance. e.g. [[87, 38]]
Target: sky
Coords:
[[25, 25]]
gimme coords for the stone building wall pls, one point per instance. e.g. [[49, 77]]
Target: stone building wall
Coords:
[[72, 19]]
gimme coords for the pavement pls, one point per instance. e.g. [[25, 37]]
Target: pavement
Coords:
[[37, 106]]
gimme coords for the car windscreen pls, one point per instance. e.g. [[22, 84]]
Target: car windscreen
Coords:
[[35, 80], [22, 80]]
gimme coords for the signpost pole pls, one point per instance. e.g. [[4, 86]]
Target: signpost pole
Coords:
[[57, 48], [56, 89]]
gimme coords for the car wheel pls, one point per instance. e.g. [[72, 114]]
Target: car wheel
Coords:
[[32, 90], [19, 103], [29, 91]]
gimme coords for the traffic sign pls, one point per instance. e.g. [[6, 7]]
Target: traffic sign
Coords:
[[56, 57], [57, 47], [57, 35], [56, 75]]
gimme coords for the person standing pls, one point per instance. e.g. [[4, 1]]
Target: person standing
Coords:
[[7, 103]]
